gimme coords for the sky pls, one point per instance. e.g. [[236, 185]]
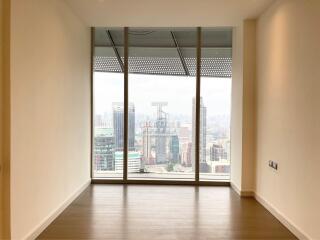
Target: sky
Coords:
[[178, 91]]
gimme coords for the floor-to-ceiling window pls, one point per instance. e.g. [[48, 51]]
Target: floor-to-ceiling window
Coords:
[[161, 90], [215, 104], [108, 105], [145, 86]]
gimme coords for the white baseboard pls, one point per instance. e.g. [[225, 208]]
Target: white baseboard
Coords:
[[277, 214], [55, 213], [240, 192]]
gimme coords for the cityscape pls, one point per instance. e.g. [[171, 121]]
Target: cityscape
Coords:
[[161, 144]]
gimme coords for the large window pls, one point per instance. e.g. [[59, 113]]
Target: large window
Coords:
[[108, 105], [145, 92], [215, 104]]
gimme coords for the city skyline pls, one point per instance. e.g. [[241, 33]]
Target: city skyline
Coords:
[[161, 126], [159, 143]]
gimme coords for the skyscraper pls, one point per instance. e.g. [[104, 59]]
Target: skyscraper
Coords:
[[203, 130], [186, 154], [147, 131], [161, 133], [118, 126], [217, 152], [174, 149], [104, 149], [134, 162]]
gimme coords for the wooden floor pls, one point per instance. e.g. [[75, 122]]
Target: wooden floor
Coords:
[[147, 212]]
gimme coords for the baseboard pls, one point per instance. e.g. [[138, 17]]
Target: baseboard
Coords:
[[55, 213], [240, 192], [277, 214]]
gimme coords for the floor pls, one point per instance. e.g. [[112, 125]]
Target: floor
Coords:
[[148, 212]]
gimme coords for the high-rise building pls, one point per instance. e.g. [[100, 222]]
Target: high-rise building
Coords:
[[186, 154], [174, 149], [118, 126], [222, 168], [161, 133], [203, 131], [134, 161], [147, 131], [217, 152], [104, 149]]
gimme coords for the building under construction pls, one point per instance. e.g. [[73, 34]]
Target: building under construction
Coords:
[[156, 136]]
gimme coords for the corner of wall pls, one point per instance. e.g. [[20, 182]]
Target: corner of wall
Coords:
[[236, 106], [248, 124], [243, 114], [5, 119]]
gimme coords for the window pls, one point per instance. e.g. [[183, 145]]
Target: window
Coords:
[[161, 101], [108, 107], [215, 104]]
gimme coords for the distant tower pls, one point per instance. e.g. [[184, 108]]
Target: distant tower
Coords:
[[203, 131], [118, 126], [161, 133], [146, 143], [104, 149], [174, 149], [217, 152]]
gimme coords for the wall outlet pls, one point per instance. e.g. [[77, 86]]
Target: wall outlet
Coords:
[[273, 164]]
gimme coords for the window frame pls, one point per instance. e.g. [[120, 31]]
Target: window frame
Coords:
[[196, 181]]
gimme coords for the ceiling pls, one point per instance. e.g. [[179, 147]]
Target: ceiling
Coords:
[[162, 37], [167, 13]]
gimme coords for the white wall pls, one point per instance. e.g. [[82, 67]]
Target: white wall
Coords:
[[242, 114], [248, 117], [50, 96], [167, 13], [236, 106], [288, 112]]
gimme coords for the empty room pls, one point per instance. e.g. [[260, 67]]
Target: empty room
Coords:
[[164, 120]]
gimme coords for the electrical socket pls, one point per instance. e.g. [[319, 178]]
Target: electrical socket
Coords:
[[273, 164]]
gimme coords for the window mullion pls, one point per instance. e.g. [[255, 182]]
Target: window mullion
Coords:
[[126, 108], [198, 87]]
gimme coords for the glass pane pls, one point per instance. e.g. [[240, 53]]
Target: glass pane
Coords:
[[108, 85], [161, 92], [216, 62]]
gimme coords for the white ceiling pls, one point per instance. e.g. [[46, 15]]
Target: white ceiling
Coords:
[[168, 13]]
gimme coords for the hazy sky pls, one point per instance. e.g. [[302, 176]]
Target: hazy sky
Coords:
[[178, 91]]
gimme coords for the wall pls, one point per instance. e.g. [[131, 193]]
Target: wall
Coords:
[[288, 112], [167, 13], [4, 119], [50, 111], [242, 114], [236, 107], [248, 122]]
